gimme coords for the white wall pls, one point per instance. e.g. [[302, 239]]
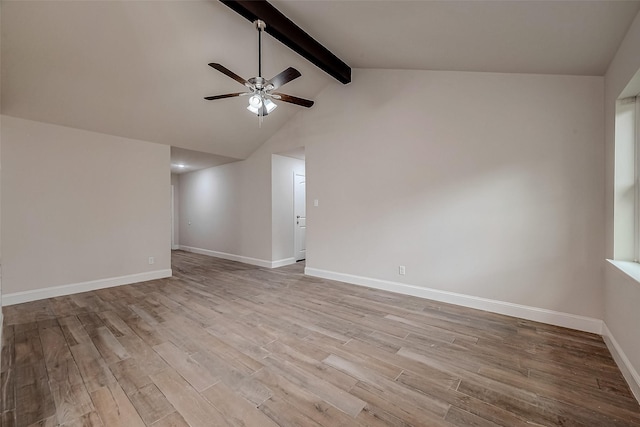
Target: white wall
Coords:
[[256, 206], [621, 302], [483, 184], [229, 208], [80, 206], [283, 216], [210, 208], [621, 293], [1, 313]]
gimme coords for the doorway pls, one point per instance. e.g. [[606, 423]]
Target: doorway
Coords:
[[300, 216]]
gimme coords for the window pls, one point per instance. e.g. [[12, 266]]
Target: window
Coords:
[[627, 181]]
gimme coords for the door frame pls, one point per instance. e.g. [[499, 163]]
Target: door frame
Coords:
[[296, 249], [173, 219]]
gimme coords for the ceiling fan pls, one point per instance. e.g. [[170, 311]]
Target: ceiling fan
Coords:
[[261, 91]]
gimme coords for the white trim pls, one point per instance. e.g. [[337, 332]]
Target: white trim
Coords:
[[244, 259], [636, 177], [173, 220], [628, 371], [175, 247], [1, 328], [296, 229], [566, 320], [630, 268], [283, 262], [74, 288]]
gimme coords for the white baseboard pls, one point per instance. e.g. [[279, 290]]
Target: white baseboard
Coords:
[[628, 371], [283, 262], [232, 257], [56, 291], [566, 320], [1, 328], [1, 325]]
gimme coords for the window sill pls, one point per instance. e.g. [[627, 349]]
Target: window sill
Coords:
[[631, 269]]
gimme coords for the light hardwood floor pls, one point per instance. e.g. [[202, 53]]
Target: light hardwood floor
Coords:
[[227, 344]]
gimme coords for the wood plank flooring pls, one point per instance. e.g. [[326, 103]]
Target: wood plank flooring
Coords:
[[228, 344]]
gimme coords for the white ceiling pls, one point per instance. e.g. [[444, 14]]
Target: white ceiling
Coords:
[[139, 68], [296, 153], [183, 160], [541, 37]]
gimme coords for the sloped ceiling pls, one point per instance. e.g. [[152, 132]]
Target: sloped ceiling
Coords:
[[514, 36], [139, 68], [183, 160]]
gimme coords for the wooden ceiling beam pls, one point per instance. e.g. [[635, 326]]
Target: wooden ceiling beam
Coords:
[[292, 36]]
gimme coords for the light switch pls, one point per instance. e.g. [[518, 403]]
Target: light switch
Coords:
[[315, 202]]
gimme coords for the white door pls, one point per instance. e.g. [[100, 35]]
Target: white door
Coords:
[[300, 213]]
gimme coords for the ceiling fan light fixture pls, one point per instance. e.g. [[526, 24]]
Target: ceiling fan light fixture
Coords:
[[263, 108], [269, 105], [255, 101]]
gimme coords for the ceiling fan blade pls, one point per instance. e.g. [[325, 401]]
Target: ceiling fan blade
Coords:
[[226, 95], [294, 100], [285, 77], [229, 73]]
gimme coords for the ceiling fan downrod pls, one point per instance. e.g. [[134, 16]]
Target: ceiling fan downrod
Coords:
[[259, 97], [260, 26]]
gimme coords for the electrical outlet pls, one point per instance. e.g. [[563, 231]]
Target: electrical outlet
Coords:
[[152, 260], [401, 270]]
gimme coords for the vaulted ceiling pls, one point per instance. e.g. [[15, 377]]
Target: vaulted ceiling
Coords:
[[138, 69]]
